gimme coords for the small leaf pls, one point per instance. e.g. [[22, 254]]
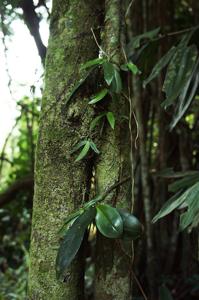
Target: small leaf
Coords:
[[133, 68], [95, 121], [83, 152], [161, 64], [72, 241], [118, 82], [78, 146], [111, 119], [78, 85], [108, 72], [109, 221], [124, 67], [173, 203], [69, 220], [99, 96], [93, 62], [94, 147]]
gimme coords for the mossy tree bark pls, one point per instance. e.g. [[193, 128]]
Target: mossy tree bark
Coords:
[[113, 257], [60, 184]]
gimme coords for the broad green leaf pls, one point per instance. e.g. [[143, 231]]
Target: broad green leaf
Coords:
[[94, 147], [184, 183], [164, 293], [99, 96], [72, 241], [109, 221], [187, 96], [69, 220], [173, 203], [178, 73], [96, 120], [84, 151], [78, 146], [111, 119], [108, 72], [133, 68], [93, 62], [161, 64]]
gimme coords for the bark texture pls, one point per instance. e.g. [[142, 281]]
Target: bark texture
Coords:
[[113, 259], [60, 184]]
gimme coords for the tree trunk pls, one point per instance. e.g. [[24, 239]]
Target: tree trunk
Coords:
[[113, 257], [60, 183]]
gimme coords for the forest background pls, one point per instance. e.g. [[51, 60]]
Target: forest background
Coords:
[[165, 148]]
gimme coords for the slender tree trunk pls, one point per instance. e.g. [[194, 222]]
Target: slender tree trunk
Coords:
[[113, 258], [60, 183]]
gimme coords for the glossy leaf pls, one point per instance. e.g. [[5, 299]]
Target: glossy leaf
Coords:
[[161, 64], [109, 221], [108, 72], [72, 242], [93, 62], [132, 228], [83, 152], [99, 96], [111, 119]]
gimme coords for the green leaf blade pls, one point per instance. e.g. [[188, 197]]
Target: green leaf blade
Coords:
[[83, 152], [162, 63], [91, 63], [95, 121], [133, 68], [109, 221], [99, 96], [72, 242], [111, 119], [108, 72]]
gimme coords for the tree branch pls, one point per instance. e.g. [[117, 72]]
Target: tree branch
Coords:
[[23, 184], [32, 20]]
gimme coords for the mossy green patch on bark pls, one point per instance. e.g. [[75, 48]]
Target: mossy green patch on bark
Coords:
[[60, 183], [113, 264]]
